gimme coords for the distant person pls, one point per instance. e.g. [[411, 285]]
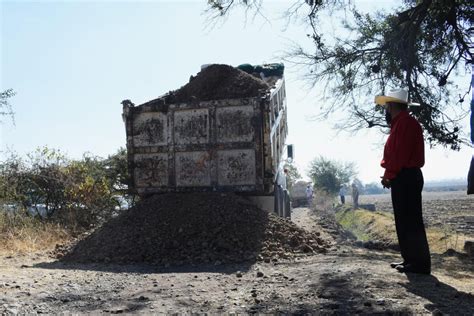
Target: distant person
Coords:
[[342, 194], [309, 195], [403, 157], [355, 196]]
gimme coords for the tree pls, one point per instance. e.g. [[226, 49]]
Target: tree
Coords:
[[329, 175], [12, 180], [116, 166], [420, 46], [5, 106], [117, 170], [37, 180], [374, 188], [80, 192], [292, 174]]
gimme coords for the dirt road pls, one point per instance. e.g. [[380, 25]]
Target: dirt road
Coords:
[[346, 280]]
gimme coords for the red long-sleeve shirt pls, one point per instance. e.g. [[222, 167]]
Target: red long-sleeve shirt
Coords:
[[405, 147]]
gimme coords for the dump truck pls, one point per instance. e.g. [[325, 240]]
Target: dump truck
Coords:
[[298, 194], [224, 131]]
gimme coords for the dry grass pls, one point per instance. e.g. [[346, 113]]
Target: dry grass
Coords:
[[380, 226], [440, 240], [24, 234]]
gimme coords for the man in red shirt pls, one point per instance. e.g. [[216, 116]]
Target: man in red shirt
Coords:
[[403, 157]]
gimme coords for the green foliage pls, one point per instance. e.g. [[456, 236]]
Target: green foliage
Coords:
[[116, 166], [11, 180], [417, 47], [421, 45], [366, 226], [329, 175], [374, 188], [44, 179], [292, 174], [86, 190], [349, 220]]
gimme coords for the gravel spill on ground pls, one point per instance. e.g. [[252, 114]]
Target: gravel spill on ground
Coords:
[[172, 229]]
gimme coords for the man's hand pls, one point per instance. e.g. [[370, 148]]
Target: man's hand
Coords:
[[386, 183]]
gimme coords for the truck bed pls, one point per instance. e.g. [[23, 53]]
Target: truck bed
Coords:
[[204, 146], [223, 145]]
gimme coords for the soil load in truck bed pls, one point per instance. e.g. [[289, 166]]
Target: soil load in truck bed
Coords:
[[216, 82], [193, 228]]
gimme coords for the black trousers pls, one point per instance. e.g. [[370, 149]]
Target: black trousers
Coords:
[[470, 177], [406, 199]]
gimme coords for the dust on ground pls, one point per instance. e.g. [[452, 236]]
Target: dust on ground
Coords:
[[345, 280]]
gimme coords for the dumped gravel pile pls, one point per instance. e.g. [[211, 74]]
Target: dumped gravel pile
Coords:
[[194, 228], [219, 82]]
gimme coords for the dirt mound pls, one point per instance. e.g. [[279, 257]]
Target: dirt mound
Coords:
[[194, 228], [219, 82]]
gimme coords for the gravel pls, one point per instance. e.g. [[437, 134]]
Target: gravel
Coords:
[[175, 229], [217, 82]]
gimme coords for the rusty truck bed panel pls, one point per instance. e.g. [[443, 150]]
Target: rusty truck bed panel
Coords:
[[231, 145], [201, 146]]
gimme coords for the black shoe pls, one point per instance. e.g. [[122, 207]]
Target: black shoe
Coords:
[[411, 269], [395, 264]]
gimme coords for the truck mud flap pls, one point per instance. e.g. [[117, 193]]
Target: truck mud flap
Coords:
[[287, 212], [278, 200], [282, 202]]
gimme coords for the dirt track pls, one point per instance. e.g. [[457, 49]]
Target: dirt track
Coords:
[[347, 280]]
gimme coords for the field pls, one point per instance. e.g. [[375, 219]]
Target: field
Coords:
[[445, 210]]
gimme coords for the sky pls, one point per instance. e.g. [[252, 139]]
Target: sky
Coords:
[[73, 62]]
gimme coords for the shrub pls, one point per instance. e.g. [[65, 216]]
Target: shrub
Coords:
[[75, 193], [329, 175]]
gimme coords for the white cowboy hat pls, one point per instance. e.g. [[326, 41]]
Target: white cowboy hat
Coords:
[[398, 96]]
